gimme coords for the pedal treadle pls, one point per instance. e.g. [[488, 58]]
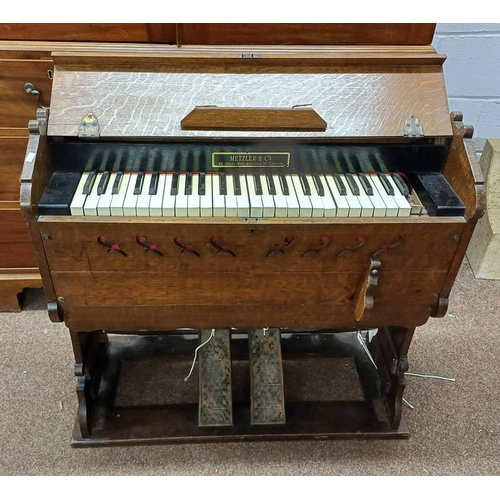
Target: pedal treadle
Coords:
[[215, 396], [266, 375]]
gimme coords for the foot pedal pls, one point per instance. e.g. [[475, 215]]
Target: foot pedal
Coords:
[[215, 405], [266, 374]]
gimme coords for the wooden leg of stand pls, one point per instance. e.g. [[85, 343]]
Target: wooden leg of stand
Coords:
[[390, 351], [90, 351]]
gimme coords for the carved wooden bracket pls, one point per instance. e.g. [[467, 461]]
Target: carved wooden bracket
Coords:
[[365, 295]]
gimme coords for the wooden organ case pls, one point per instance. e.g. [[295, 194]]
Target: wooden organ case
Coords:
[[208, 251]]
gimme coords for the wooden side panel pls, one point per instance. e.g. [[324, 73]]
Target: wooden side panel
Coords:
[[305, 34], [90, 32]]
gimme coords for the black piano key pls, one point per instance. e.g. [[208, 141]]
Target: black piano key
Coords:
[[201, 184], [284, 186], [365, 183], [305, 185], [189, 184], [319, 185], [270, 185], [89, 183], [58, 194], [222, 184], [175, 184], [352, 183], [117, 183], [258, 185], [139, 183], [436, 194], [340, 184], [103, 183], [401, 184], [237, 184], [388, 187], [153, 185]]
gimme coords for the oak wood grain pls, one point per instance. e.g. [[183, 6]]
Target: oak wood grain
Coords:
[[353, 105]]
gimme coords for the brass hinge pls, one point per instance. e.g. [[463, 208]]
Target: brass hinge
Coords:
[[89, 126], [412, 127]]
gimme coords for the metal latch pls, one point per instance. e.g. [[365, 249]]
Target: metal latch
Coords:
[[412, 127], [89, 126]]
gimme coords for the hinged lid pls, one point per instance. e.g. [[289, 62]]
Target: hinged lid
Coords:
[[359, 92]]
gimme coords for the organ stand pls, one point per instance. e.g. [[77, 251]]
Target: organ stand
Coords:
[[273, 209]]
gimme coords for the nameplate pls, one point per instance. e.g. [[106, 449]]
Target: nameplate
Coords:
[[255, 159]]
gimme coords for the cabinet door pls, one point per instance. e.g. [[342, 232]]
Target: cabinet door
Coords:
[[17, 107], [90, 32], [12, 151]]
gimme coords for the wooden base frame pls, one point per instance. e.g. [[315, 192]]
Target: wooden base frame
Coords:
[[103, 419]]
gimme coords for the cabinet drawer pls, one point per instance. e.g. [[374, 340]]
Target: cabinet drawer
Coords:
[[16, 106], [12, 151], [16, 249]]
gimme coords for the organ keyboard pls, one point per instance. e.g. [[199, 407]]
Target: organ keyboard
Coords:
[[268, 231]]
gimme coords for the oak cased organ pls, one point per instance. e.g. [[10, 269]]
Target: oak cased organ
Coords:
[[269, 203]]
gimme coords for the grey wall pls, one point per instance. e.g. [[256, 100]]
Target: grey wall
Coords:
[[472, 74]]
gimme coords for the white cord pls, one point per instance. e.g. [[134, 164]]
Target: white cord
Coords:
[[196, 353], [410, 405], [430, 376], [363, 344]]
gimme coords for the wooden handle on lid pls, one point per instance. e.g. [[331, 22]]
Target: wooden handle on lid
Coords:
[[256, 119]]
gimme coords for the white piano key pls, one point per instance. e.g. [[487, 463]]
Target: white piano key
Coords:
[[130, 201], [78, 201], [104, 204], [293, 207], [379, 208], [230, 198], [280, 203], [90, 206], [181, 199], [404, 206], [392, 209], [156, 200], [352, 200], [340, 200], [218, 200], [318, 208], [268, 208], [118, 199], [243, 199], [143, 200], [206, 204], [328, 201], [305, 207], [363, 199], [168, 203], [194, 197], [256, 206]]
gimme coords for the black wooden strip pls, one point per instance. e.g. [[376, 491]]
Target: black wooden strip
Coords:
[[153, 185], [387, 186], [89, 183], [103, 183]]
